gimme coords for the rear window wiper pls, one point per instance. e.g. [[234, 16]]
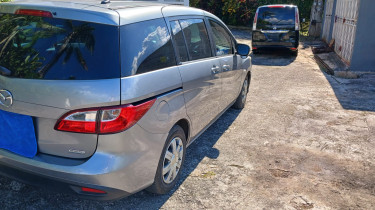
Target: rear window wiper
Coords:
[[4, 71]]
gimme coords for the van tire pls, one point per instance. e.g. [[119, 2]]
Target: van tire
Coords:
[[294, 53], [241, 99], [160, 186]]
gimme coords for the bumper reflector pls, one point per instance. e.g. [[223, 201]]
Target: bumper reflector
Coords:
[[91, 190]]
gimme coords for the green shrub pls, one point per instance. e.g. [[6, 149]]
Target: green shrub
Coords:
[[241, 12]]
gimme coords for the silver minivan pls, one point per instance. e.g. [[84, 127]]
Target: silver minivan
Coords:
[[101, 99]]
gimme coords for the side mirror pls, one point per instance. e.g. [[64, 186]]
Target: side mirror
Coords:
[[243, 49]]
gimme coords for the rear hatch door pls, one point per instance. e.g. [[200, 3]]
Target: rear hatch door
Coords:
[[276, 23], [50, 66]]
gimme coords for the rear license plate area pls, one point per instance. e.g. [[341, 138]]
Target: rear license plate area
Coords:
[[273, 37], [17, 134]]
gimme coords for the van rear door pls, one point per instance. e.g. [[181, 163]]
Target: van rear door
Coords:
[[276, 24]]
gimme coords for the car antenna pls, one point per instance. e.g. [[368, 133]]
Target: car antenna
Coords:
[[106, 2]]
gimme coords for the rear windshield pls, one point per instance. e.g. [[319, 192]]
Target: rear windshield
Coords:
[[56, 49], [270, 18]]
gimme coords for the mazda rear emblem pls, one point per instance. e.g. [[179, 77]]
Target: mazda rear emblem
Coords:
[[6, 98]]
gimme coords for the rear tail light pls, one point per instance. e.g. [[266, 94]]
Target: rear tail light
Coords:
[[83, 121], [103, 120], [297, 20], [255, 20], [32, 12]]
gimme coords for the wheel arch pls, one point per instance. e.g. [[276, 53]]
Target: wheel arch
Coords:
[[248, 80], [185, 125]]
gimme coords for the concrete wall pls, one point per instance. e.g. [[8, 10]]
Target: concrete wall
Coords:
[[363, 58]]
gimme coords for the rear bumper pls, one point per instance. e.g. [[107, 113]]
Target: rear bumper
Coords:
[[123, 164], [275, 39], [274, 45], [57, 185]]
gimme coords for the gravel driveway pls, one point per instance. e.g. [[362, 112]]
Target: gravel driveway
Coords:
[[304, 140]]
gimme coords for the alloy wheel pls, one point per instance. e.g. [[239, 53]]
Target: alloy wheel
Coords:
[[172, 160]]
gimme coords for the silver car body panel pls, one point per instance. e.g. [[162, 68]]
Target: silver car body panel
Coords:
[[202, 92], [48, 100], [72, 94], [137, 14], [66, 10], [123, 155], [128, 160], [117, 163], [143, 86], [115, 13], [229, 75], [171, 11]]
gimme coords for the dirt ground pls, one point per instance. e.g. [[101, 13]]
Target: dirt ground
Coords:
[[305, 140]]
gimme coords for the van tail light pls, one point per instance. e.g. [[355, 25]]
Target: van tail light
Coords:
[[103, 120], [297, 20], [255, 20], [276, 6], [33, 12]]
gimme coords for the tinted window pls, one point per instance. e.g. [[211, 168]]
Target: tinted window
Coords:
[[47, 48], [196, 38], [179, 40], [222, 39], [146, 46], [281, 18]]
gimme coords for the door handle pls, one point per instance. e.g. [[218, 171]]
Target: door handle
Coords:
[[215, 69], [226, 67]]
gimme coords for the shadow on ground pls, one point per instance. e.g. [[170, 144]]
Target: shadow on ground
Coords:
[[273, 57], [354, 94], [19, 196]]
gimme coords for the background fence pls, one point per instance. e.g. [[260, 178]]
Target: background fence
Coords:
[[344, 25]]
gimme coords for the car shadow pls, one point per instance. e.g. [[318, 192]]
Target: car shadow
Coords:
[[26, 196], [196, 152], [273, 57], [354, 94]]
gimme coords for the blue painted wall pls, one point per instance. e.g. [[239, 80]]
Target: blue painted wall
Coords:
[[363, 58]]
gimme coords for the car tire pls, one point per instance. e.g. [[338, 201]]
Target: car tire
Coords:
[[174, 156], [294, 53], [241, 99]]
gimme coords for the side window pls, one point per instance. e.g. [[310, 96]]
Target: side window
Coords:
[[179, 40], [146, 46], [222, 39], [196, 38]]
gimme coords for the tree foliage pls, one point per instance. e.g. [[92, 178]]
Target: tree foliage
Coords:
[[241, 12]]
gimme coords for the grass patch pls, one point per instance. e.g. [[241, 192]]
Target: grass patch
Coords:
[[305, 28], [208, 174]]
